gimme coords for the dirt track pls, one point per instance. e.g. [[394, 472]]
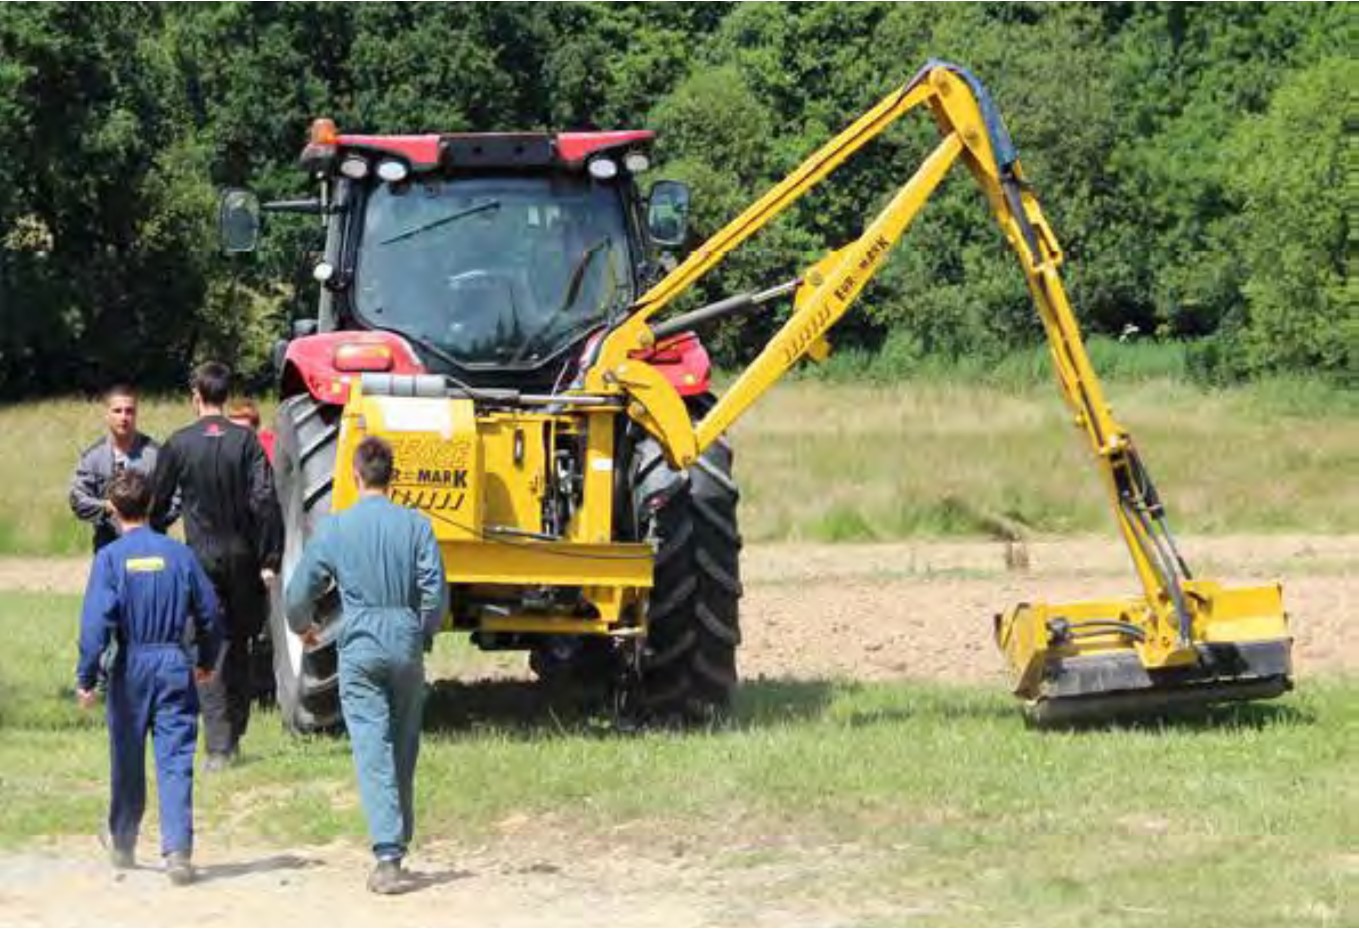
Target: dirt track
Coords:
[[917, 610], [538, 884]]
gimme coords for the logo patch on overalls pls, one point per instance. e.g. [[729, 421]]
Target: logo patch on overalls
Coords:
[[148, 565]]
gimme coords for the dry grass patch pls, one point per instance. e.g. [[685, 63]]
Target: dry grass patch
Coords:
[[853, 462], [844, 462]]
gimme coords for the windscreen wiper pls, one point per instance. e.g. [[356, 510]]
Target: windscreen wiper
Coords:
[[574, 282], [442, 221], [578, 272]]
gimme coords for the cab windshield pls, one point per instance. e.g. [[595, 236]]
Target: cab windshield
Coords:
[[493, 270]]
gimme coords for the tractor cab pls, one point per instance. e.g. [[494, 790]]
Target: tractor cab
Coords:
[[493, 257]]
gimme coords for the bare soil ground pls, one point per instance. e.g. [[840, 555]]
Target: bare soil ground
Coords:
[[910, 610], [924, 610]]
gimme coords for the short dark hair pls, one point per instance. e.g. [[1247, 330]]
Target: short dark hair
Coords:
[[120, 389], [130, 493], [212, 381], [373, 461]]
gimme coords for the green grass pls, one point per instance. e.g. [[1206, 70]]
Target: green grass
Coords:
[[951, 450], [929, 804]]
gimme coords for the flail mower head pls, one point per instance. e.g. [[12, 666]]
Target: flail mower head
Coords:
[[1103, 661]]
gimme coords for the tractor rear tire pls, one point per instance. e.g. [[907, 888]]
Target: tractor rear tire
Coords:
[[306, 679], [688, 673]]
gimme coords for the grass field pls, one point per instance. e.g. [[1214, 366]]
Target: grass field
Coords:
[[914, 793], [928, 456]]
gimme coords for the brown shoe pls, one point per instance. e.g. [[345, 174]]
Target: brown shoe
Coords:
[[178, 869], [388, 877]]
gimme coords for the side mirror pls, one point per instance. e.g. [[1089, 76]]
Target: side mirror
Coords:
[[238, 220], [667, 213]]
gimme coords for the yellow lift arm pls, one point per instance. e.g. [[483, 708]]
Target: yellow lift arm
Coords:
[[1184, 639]]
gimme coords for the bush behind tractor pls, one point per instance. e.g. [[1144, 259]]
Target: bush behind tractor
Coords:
[[492, 305]]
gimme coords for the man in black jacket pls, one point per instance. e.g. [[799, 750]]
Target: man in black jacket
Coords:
[[233, 524]]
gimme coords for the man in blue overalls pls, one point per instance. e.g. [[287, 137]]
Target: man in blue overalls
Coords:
[[386, 562], [150, 606]]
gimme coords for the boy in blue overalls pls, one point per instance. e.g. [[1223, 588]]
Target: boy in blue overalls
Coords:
[[148, 603]]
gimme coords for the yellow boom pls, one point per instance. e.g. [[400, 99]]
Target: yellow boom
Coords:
[[1183, 639]]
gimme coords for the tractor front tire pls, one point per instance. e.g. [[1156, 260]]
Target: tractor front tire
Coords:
[[688, 673], [306, 678]]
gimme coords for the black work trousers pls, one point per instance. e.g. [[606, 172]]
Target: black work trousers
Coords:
[[226, 698]]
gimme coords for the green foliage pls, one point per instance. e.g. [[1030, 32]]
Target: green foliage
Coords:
[[1194, 160], [1296, 191], [94, 268]]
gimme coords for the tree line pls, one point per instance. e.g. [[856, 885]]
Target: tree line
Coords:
[[1196, 162]]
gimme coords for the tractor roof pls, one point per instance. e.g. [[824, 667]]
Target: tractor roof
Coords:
[[474, 150]]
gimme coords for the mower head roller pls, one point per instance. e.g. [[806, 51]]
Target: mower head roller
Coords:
[[1098, 661]]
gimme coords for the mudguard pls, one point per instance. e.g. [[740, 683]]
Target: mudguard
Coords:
[[310, 362], [683, 361]]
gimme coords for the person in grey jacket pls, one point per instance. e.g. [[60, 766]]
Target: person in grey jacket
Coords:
[[123, 447], [386, 562]]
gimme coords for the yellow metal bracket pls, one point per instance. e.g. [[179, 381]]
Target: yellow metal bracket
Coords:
[[659, 409]]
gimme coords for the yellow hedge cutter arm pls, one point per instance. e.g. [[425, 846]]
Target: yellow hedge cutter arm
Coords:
[[1183, 640]]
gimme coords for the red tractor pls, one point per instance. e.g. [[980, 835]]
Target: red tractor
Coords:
[[493, 306], [494, 263]]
